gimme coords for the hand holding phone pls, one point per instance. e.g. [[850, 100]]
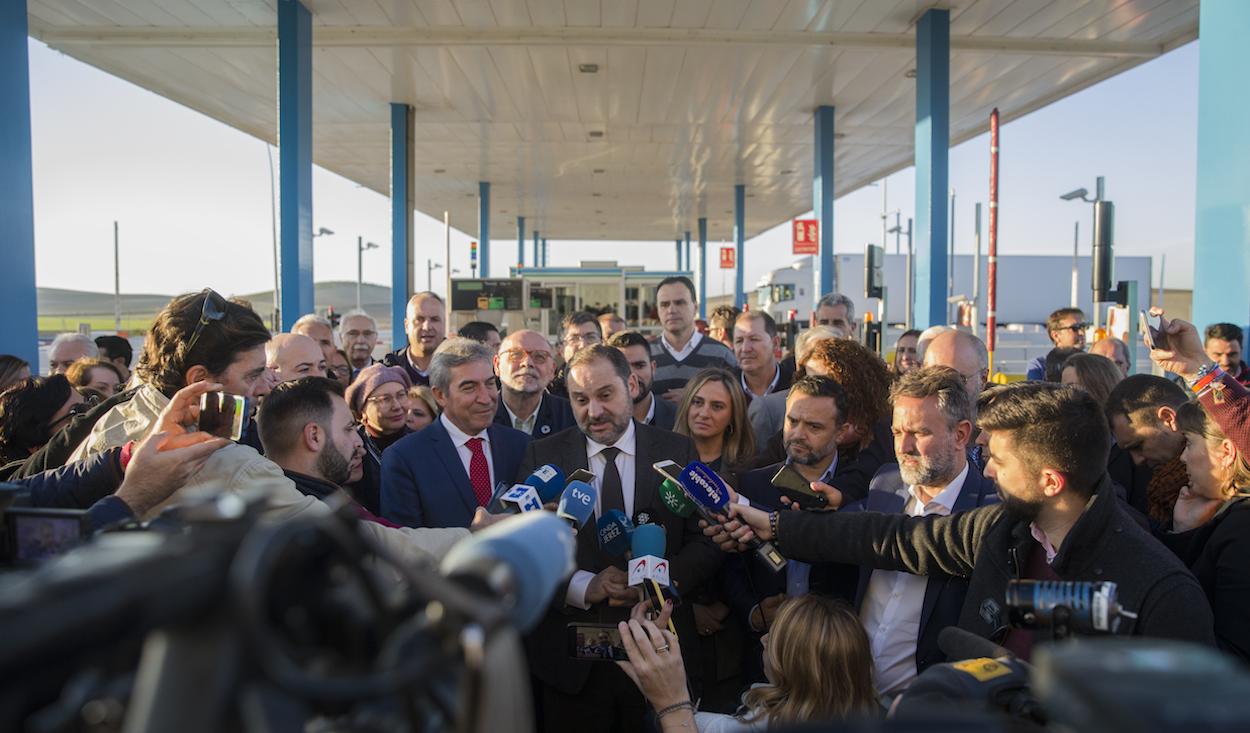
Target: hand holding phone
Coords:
[[223, 415], [1152, 330], [798, 489]]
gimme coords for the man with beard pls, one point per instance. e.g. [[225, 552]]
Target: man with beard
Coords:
[[648, 409], [903, 613], [308, 431], [426, 326], [619, 451], [1059, 519], [525, 366]]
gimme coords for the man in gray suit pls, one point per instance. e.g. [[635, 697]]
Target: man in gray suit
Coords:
[[619, 451]]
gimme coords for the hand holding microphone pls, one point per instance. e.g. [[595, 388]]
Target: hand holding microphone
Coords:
[[543, 485]]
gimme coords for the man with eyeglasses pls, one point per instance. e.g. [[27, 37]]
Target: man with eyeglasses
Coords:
[[358, 332], [526, 366], [578, 330], [1066, 327]]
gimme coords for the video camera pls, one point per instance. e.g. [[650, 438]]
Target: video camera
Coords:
[[31, 534], [227, 621]]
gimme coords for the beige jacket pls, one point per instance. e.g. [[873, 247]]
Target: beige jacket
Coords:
[[237, 467]]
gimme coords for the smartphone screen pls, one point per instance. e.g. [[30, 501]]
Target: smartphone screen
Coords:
[[38, 534], [1152, 331], [222, 415], [595, 642], [582, 475], [793, 486]]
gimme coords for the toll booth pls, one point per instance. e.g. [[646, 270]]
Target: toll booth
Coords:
[[539, 298]]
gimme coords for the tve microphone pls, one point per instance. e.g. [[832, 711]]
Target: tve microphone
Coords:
[[522, 561], [520, 498], [711, 493], [577, 503], [647, 567], [615, 531], [547, 480]]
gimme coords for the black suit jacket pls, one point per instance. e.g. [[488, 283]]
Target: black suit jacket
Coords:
[[554, 414], [693, 559], [944, 594], [665, 414]]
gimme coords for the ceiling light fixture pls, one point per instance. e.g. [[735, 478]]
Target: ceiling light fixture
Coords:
[[596, 133], [588, 68]]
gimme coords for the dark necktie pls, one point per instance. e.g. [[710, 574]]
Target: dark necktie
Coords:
[[610, 495]]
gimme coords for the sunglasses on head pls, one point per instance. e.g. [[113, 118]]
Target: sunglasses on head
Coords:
[[214, 310]]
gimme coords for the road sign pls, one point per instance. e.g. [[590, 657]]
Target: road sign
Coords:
[[806, 236], [727, 260]]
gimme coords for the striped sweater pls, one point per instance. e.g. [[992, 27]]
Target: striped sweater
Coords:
[[673, 374]]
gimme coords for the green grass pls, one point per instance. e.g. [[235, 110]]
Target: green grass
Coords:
[[61, 324]]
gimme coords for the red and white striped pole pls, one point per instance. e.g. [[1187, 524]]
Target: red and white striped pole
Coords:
[[991, 334]]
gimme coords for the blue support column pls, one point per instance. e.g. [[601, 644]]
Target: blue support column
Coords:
[[19, 329], [703, 267], [740, 205], [932, 148], [295, 159], [483, 227], [537, 258], [544, 251], [401, 219], [520, 241], [678, 255], [688, 265], [1221, 231], [823, 281]]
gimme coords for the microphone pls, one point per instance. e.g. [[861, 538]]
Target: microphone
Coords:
[[674, 497], [1066, 606], [577, 503], [522, 561], [615, 531], [519, 499], [547, 480], [958, 644], [711, 495], [648, 569]]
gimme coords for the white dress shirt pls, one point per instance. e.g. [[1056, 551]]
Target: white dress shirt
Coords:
[[596, 463], [892, 605], [686, 350], [525, 425], [461, 440]]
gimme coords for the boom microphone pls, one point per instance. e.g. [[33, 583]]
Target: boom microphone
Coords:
[[711, 493], [522, 560], [577, 503]]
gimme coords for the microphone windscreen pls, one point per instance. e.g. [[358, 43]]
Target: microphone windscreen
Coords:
[[704, 486], [577, 502], [548, 479], [615, 530], [674, 497], [536, 548], [958, 644], [648, 539]]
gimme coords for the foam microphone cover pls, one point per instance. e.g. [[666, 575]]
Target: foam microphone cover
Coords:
[[548, 479], [704, 486], [674, 497], [615, 531], [577, 502], [536, 549], [648, 539]]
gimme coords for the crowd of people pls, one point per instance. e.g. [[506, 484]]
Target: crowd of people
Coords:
[[933, 488]]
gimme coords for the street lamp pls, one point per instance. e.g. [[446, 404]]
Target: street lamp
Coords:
[[323, 232], [361, 246]]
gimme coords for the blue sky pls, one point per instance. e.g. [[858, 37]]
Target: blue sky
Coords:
[[180, 182]]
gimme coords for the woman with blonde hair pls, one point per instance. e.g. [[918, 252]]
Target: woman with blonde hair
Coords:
[[1095, 374], [422, 408], [816, 657], [713, 413]]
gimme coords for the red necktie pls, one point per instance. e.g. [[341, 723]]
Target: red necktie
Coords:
[[479, 472]]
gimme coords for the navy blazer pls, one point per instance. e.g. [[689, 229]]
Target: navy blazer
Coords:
[[665, 414], [554, 414], [424, 483], [943, 595]]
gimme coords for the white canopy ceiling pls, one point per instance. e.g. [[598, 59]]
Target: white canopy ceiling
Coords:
[[623, 119]]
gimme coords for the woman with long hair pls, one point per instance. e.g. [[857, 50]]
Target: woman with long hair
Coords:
[[13, 369], [34, 410], [817, 660], [422, 408], [1095, 374], [1210, 529], [713, 413]]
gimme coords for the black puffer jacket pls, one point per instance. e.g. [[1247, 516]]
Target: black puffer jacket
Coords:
[[989, 548]]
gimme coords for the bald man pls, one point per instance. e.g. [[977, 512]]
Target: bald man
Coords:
[[292, 356], [967, 355], [425, 323], [1113, 349], [526, 364]]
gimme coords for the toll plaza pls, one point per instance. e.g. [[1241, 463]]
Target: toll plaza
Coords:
[[538, 298]]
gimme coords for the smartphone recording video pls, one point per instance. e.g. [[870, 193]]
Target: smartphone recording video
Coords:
[[223, 415], [1152, 331], [791, 484], [595, 643]]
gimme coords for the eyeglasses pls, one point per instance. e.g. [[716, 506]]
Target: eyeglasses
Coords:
[[540, 358], [583, 338], [387, 401], [1074, 327], [214, 310]]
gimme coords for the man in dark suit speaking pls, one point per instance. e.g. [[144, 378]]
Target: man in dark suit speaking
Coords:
[[619, 452], [441, 475]]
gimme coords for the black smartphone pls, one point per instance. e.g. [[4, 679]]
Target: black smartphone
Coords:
[[1152, 331], [223, 415], [797, 489], [595, 643], [37, 534], [582, 475]]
